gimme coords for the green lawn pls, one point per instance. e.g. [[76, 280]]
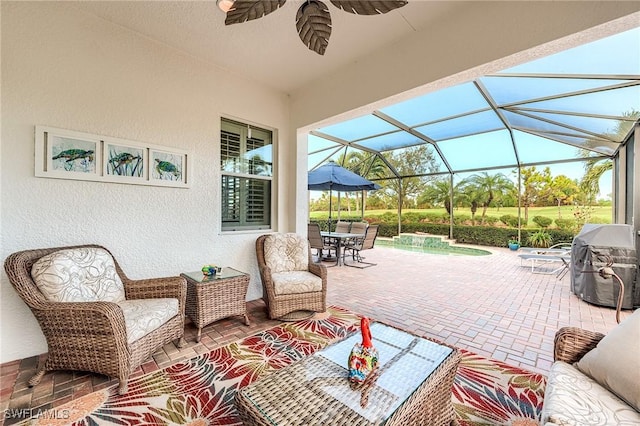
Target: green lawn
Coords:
[[601, 214]]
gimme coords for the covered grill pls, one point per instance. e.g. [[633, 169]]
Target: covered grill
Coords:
[[589, 251]]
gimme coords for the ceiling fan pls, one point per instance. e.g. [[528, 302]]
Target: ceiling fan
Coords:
[[313, 19]]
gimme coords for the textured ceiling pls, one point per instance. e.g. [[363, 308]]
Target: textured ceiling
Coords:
[[268, 49]]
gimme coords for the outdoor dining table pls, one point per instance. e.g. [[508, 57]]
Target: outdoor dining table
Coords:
[[341, 239]]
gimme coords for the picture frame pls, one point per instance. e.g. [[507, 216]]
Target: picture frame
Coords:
[[125, 160], [168, 167], [68, 154]]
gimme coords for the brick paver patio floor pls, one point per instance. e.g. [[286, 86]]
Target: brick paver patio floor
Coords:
[[490, 305]]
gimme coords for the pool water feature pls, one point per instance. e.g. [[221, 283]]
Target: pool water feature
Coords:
[[434, 244]]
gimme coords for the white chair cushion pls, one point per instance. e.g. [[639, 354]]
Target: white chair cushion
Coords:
[[296, 282], [573, 398], [615, 362], [142, 316], [85, 274], [286, 252]]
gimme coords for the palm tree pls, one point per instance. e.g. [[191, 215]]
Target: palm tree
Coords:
[[439, 192], [489, 186], [367, 166], [471, 196], [594, 169], [346, 160], [590, 183]]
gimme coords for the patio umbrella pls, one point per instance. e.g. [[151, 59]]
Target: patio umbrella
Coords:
[[331, 176]]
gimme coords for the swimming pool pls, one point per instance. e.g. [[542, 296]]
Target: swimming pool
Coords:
[[433, 244]]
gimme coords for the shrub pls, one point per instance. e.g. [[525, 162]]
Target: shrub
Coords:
[[432, 218], [509, 220], [410, 217], [540, 239], [480, 235], [565, 224], [542, 221], [461, 219], [490, 220], [389, 217]]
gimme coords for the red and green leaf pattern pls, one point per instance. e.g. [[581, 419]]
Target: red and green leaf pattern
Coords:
[[200, 391], [491, 392]]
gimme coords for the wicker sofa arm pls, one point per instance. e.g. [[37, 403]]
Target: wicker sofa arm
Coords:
[[319, 270], [267, 284], [572, 343], [158, 288], [155, 288], [73, 319]]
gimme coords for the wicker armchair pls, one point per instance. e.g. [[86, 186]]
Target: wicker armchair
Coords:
[[594, 379], [286, 305], [92, 336], [572, 343]]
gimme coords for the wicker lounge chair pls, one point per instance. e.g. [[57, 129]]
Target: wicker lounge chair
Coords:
[[293, 286], [93, 335]]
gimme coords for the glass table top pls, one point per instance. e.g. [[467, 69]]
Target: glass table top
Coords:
[[198, 276], [320, 383]]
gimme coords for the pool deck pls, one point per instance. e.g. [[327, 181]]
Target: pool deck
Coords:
[[491, 305]]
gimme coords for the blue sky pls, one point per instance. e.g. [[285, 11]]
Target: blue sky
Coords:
[[617, 56]]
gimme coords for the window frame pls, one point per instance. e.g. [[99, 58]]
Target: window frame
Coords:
[[240, 170]]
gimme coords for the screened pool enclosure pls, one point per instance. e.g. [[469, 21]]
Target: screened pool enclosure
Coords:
[[577, 105]]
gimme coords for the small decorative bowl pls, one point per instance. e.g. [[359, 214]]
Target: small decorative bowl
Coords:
[[209, 270]]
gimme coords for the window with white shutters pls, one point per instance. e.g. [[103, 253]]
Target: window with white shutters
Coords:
[[246, 154]]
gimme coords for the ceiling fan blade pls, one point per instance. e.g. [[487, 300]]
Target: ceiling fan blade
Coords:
[[248, 10], [373, 7], [313, 22]]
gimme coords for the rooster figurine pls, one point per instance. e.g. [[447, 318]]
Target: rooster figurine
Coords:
[[364, 357]]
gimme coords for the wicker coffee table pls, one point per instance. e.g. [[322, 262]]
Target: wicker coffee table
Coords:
[[210, 298], [413, 386]]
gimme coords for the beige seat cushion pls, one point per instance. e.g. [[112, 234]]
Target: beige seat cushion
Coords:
[[615, 362], [286, 252], [573, 398], [84, 274], [143, 316], [296, 282]]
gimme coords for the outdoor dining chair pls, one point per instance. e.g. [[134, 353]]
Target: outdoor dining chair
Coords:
[[342, 226], [367, 242], [359, 227], [317, 242]]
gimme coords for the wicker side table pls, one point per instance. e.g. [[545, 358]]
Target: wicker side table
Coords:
[[210, 298]]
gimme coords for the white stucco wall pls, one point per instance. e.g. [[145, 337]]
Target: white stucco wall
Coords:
[[70, 70]]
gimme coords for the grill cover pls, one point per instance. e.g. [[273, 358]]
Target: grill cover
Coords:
[[587, 256]]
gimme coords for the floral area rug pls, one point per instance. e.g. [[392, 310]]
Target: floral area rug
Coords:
[[200, 391]]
